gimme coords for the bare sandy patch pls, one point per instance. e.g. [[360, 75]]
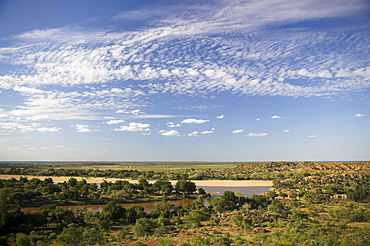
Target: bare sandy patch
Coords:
[[218, 183], [66, 178]]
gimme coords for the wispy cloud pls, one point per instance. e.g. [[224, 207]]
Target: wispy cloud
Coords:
[[134, 112], [78, 56], [206, 132], [339, 138], [134, 127], [8, 127], [84, 128], [357, 116], [256, 134], [194, 121], [171, 124], [112, 122], [193, 134], [169, 133], [82, 73]]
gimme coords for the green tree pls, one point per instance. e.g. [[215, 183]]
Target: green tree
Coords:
[[92, 236], [112, 212], [164, 206], [276, 207], [185, 186], [58, 215], [144, 226], [22, 239], [134, 212], [143, 183], [163, 186], [71, 236], [358, 193], [228, 201], [72, 182], [193, 218]]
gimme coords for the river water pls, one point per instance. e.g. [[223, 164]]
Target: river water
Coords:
[[215, 191]]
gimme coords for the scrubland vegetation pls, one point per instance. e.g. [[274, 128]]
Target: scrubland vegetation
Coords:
[[309, 204]]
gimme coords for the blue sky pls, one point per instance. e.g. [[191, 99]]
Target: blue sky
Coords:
[[184, 80]]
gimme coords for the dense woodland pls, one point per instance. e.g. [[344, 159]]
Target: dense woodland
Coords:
[[309, 204]]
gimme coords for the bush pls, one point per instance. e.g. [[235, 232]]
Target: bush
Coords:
[[92, 236], [22, 240], [165, 242], [198, 241], [138, 243], [160, 231], [71, 236], [144, 226]]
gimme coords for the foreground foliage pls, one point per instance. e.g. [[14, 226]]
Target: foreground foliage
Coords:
[[306, 206]]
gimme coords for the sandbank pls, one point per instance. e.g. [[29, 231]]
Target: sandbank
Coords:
[[219, 183], [232, 183]]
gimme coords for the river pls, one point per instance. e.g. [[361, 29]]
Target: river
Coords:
[[215, 191]]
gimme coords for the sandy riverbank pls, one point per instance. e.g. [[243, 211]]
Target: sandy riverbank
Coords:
[[232, 183], [219, 183]]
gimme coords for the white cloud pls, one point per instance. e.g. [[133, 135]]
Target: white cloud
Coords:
[[120, 111], [167, 58], [134, 127], [151, 116], [206, 132], [312, 136], [51, 129], [256, 134], [170, 133], [59, 105], [134, 112], [238, 131], [112, 122], [194, 121], [27, 90], [357, 116], [9, 126], [286, 130], [76, 56], [18, 127], [146, 133], [339, 138], [193, 134], [84, 128], [171, 124]]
